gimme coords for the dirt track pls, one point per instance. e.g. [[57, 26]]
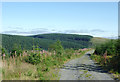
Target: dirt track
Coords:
[[83, 69]]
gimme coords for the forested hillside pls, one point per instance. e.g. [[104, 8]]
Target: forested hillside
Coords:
[[64, 37], [45, 40], [9, 41]]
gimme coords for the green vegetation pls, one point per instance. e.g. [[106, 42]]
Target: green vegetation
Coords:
[[86, 74], [39, 57], [98, 41], [110, 47], [33, 58], [45, 40], [8, 42], [108, 55], [36, 64], [57, 47]]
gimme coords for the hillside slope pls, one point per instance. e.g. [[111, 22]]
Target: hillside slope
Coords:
[[98, 41], [45, 40]]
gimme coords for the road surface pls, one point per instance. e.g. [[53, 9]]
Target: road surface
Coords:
[[83, 69]]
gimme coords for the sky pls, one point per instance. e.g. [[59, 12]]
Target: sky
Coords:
[[99, 19]]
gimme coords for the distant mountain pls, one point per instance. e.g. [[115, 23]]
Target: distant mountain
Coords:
[[45, 40]]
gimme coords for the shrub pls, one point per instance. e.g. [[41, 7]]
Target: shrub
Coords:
[[115, 63], [33, 58], [57, 47], [4, 51], [48, 61], [113, 49], [16, 51], [110, 47]]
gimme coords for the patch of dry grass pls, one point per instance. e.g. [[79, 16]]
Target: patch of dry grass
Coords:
[[17, 69]]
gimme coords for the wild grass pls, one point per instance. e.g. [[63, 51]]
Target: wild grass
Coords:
[[108, 55], [109, 65], [17, 68]]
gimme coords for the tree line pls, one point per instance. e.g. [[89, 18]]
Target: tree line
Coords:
[[45, 40]]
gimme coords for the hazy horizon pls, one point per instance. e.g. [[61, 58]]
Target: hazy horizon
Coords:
[[98, 19]]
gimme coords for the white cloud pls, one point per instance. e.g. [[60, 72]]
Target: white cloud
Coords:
[[34, 31]]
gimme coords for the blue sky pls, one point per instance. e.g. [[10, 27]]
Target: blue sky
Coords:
[[99, 19]]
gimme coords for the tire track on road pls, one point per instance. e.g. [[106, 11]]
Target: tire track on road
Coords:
[[83, 69]]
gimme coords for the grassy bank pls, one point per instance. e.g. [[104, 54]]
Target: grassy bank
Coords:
[[37, 65], [108, 56], [107, 64]]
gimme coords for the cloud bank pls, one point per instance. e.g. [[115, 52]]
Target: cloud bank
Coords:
[[35, 31]]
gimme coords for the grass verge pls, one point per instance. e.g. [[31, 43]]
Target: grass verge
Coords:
[[16, 68], [107, 64]]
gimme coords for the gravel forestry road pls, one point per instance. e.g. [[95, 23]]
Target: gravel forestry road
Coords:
[[83, 68]]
